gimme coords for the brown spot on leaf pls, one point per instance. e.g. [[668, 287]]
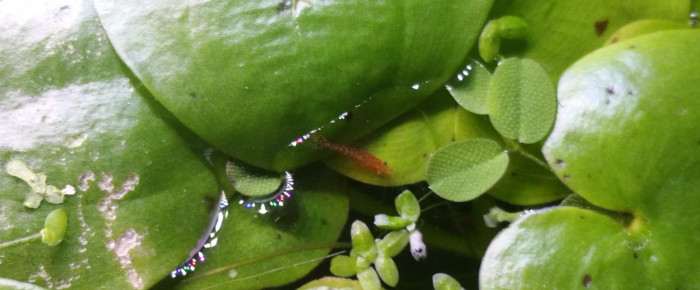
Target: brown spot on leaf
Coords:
[[193, 95], [610, 90], [614, 40], [566, 177], [587, 279], [559, 163], [279, 236], [284, 6], [600, 27], [635, 255]]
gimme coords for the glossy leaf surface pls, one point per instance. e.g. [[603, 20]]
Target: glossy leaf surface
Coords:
[[144, 186], [625, 140], [254, 77], [74, 113]]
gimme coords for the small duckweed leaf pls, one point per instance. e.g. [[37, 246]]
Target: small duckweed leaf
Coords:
[[393, 243], [369, 279], [465, 169], [54, 227], [386, 268], [443, 281], [407, 206], [252, 181], [343, 266], [470, 87], [362, 239], [522, 102], [391, 222]]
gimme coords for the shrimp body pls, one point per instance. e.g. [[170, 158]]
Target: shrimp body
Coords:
[[359, 156]]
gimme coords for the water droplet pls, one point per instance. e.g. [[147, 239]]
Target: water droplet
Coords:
[[278, 199], [415, 86]]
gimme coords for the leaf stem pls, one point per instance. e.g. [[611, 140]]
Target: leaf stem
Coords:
[[29, 238], [514, 146], [533, 159]]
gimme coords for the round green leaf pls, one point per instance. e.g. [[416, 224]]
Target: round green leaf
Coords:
[[362, 240], [369, 279], [626, 140], [74, 113], [252, 181], [464, 170], [54, 227], [393, 243], [470, 87], [254, 77], [522, 103], [407, 206], [386, 268], [343, 266]]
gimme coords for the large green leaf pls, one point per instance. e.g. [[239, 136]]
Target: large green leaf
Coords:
[[625, 139], [280, 246], [68, 109], [560, 32], [254, 77], [144, 184]]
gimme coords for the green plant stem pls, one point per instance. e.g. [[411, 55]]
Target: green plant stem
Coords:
[[35, 236], [514, 146]]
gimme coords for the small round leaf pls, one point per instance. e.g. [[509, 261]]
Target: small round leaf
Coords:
[[393, 243], [386, 222], [463, 170], [54, 227], [252, 181], [387, 270], [470, 87], [522, 102], [343, 266], [362, 240], [407, 206], [369, 279]]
